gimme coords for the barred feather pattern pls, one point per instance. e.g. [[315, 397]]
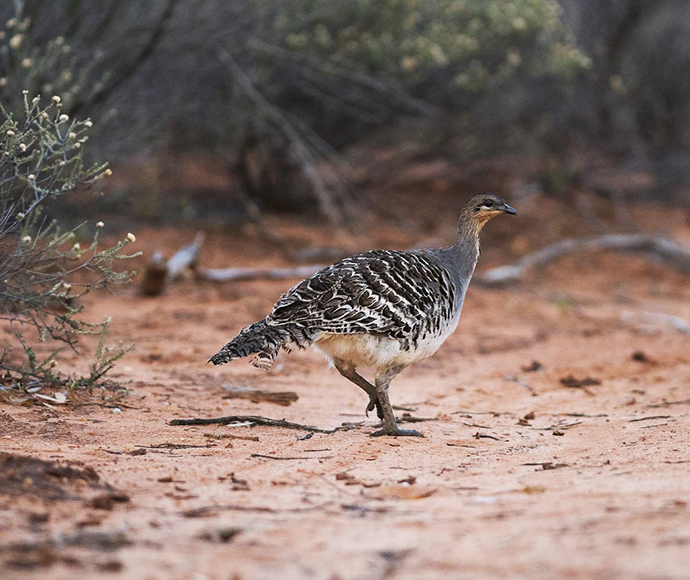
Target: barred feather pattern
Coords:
[[407, 296]]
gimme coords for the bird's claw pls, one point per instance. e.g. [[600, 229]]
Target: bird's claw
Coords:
[[374, 404]]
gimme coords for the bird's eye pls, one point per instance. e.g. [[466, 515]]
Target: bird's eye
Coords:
[[488, 203]]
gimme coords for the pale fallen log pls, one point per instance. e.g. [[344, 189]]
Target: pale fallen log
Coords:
[[670, 252], [243, 274], [159, 273]]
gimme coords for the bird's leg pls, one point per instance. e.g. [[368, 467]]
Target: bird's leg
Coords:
[[390, 426], [349, 372]]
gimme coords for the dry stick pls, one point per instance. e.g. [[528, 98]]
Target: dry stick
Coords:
[[670, 252], [242, 274], [280, 422], [253, 419], [261, 456], [664, 248], [668, 404], [650, 418]]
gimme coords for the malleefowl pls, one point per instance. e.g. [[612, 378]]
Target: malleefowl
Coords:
[[385, 309]]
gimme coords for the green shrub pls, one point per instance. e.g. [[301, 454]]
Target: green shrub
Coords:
[[43, 269], [473, 43]]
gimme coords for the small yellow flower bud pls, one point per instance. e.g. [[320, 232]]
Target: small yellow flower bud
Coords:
[[22, 147], [56, 99], [72, 135], [67, 286], [27, 62], [99, 224], [64, 118], [26, 239], [131, 237], [76, 247], [31, 177], [88, 123], [108, 172], [20, 216], [10, 133]]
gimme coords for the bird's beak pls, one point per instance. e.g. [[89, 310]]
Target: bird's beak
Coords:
[[508, 209]]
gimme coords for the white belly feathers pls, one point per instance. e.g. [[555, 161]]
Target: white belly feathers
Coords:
[[380, 351]]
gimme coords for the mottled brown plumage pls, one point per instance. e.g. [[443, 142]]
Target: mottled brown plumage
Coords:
[[384, 308]]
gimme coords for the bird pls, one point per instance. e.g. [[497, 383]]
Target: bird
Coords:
[[384, 309]]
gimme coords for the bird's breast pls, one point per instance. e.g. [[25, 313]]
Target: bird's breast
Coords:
[[381, 351]]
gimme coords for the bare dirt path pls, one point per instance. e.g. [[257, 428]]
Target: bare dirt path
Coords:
[[519, 475]]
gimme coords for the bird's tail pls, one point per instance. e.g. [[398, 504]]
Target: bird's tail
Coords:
[[260, 339]]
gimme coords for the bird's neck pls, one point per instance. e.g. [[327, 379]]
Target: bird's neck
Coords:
[[465, 250]]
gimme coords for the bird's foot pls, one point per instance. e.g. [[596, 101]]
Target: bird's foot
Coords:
[[396, 432]]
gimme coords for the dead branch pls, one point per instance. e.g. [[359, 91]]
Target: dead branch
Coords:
[[252, 419], [244, 274], [660, 247], [290, 458], [159, 273]]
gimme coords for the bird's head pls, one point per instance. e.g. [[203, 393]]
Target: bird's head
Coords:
[[484, 206], [480, 209]]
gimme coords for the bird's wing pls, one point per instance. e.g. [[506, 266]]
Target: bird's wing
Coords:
[[396, 294]]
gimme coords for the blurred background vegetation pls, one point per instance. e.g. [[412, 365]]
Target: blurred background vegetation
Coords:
[[228, 110]]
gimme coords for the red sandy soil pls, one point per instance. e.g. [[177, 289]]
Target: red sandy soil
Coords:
[[519, 476]]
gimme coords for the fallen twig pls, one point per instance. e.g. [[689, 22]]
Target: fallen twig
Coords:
[[96, 540], [244, 274], [667, 250], [173, 446], [519, 381], [261, 456], [201, 512], [669, 403], [649, 418], [252, 419], [204, 511], [479, 435], [560, 426], [547, 465], [407, 418], [230, 436]]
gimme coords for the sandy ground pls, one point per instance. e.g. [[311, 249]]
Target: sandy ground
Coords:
[[519, 476]]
